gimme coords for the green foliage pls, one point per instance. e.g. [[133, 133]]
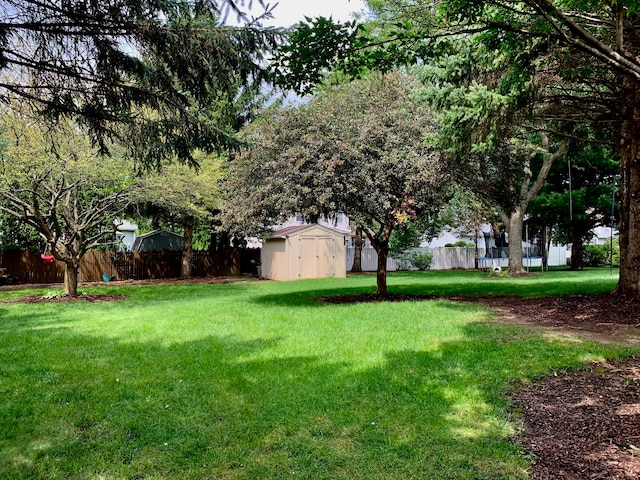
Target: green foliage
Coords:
[[161, 76], [53, 180], [16, 235], [178, 192], [600, 255], [462, 243], [356, 148], [321, 39], [421, 260], [574, 205], [412, 233]]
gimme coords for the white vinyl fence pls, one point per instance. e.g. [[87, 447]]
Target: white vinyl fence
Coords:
[[444, 258]]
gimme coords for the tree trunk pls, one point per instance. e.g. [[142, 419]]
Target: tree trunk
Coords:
[[213, 241], [476, 255], [544, 246], [357, 251], [577, 250], [380, 242], [516, 221], [187, 249], [382, 249], [629, 230], [71, 278], [528, 191]]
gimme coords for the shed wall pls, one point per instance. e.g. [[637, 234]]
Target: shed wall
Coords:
[[275, 260], [312, 253]]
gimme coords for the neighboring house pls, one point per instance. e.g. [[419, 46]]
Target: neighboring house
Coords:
[[158, 240], [125, 234], [304, 251], [338, 222], [602, 235]]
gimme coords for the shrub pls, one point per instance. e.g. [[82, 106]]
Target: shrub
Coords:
[[402, 259], [421, 260], [600, 255], [462, 243]]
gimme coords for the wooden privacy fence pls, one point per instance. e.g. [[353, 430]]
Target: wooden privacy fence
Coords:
[[28, 267]]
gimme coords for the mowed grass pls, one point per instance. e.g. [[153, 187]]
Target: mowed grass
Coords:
[[262, 381]]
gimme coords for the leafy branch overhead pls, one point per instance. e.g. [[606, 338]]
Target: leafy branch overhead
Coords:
[[146, 72]]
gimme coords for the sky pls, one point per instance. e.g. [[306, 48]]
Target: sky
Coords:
[[288, 12]]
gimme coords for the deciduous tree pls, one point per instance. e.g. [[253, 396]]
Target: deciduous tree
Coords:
[[181, 194], [53, 180], [356, 148]]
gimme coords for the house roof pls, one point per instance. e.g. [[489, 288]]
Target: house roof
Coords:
[[161, 232], [287, 231]]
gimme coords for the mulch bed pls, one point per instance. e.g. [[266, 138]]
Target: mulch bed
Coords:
[[67, 298], [583, 425]]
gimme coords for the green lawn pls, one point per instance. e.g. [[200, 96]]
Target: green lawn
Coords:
[[260, 381]]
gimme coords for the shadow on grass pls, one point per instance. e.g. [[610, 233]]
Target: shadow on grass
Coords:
[[80, 407], [447, 284]]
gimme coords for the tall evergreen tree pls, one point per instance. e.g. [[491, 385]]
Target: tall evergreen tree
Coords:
[[145, 71]]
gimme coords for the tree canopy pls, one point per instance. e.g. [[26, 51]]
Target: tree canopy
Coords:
[[579, 58], [159, 75], [52, 180], [357, 148], [180, 194]]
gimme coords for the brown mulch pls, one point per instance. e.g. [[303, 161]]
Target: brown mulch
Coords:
[[575, 425], [581, 425], [66, 298]]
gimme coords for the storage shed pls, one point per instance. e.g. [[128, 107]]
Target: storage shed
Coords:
[[158, 240], [304, 251]]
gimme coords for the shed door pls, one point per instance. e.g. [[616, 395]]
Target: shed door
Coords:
[[307, 258], [316, 258], [326, 248]]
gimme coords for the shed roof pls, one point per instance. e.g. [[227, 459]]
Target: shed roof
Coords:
[[287, 231], [158, 240]]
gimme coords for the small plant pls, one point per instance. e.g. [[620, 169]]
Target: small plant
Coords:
[[421, 260], [462, 243], [497, 272], [403, 260], [52, 295]]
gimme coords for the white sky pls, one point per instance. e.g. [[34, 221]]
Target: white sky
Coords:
[[288, 12]]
